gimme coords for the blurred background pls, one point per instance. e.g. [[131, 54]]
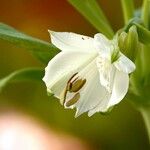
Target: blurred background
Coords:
[[29, 119]]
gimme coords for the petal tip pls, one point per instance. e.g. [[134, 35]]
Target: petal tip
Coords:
[[78, 113], [90, 114], [44, 79], [50, 31]]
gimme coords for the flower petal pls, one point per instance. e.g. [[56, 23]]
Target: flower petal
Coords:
[[67, 41], [92, 92], [120, 85], [101, 106], [119, 88], [124, 64], [62, 67], [105, 71], [102, 45]]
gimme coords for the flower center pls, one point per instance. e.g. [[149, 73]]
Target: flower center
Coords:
[[74, 85]]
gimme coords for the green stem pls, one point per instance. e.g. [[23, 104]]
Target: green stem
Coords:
[[146, 116], [128, 9], [145, 12]]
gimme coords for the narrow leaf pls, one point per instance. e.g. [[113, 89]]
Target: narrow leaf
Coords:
[[128, 9], [93, 13], [44, 51], [144, 34], [145, 12], [22, 75]]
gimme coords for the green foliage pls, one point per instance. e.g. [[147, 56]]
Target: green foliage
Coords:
[[42, 50], [143, 33], [128, 9], [145, 12], [93, 13], [22, 75]]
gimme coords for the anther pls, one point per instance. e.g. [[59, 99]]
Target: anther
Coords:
[[77, 85], [73, 100]]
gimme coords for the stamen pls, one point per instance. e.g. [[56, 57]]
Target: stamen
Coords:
[[73, 100], [69, 84], [63, 96], [77, 85], [74, 84], [64, 92], [72, 77]]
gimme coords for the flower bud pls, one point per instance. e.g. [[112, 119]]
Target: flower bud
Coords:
[[128, 43]]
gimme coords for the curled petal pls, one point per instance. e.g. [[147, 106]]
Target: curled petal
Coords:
[[124, 64], [119, 88], [68, 41], [102, 45], [119, 83]]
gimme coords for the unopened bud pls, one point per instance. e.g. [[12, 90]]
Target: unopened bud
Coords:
[[128, 43]]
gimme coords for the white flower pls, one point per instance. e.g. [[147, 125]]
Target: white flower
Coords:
[[89, 74]]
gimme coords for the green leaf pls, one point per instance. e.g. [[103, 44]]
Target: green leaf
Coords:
[[22, 75], [144, 34], [128, 9], [42, 50], [146, 12], [93, 13]]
